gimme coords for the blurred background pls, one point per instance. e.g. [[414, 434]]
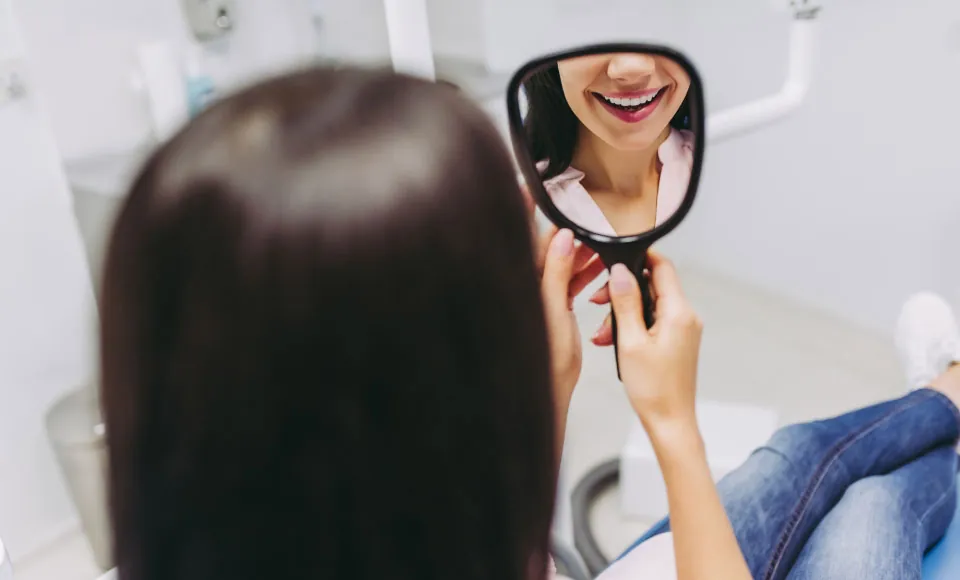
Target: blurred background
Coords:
[[805, 239]]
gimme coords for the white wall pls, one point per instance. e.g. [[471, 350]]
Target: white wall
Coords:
[[456, 28], [81, 56], [354, 31], [852, 203], [502, 34], [46, 315], [519, 30], [84, 53]]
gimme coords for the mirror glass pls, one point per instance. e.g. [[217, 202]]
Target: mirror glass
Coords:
[[613, 138]]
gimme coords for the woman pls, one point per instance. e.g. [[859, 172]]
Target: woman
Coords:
[[612, 131], [317, 362], [324, 350]]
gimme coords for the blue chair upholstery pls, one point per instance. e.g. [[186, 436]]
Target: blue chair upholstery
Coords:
[[943, 562]]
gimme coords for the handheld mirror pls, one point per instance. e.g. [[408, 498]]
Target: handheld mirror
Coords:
[[610, 141]]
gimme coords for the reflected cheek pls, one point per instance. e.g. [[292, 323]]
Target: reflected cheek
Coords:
[[583, 109], [676, 100]]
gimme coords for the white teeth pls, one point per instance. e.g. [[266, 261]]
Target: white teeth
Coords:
[[634, 102]]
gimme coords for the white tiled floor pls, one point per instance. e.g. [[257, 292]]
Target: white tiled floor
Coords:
[[757, 349]]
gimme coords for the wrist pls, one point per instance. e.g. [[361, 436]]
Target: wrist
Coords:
[[676, 437]]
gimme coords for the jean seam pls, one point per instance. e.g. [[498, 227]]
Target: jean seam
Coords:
[[922, 541], [950, 491], [801, 507]]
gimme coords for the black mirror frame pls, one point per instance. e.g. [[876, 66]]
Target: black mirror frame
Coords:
[[608, 247]]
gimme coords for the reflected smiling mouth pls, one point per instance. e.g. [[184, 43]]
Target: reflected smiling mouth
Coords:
[[631, 103]]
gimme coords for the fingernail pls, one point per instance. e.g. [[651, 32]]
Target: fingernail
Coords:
[[620, 279], [563, 243], [596, 295]]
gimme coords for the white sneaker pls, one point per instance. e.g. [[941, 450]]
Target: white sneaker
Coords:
[[927, 339]]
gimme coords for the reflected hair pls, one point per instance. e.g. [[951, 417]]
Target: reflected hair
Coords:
[[552, 128], [323, 348]]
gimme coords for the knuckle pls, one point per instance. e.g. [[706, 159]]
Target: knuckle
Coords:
[[688, 319], [697, 321], [629, 345]]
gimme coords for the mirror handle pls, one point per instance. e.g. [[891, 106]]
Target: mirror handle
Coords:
[[646, 297], [616, 342]]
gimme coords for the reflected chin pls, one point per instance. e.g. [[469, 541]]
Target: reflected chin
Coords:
[[635, 142]]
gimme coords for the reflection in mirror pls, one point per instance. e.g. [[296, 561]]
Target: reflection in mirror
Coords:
[[611, 134]]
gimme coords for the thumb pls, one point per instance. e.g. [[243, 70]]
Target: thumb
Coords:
[[627, 306], [557, 273]]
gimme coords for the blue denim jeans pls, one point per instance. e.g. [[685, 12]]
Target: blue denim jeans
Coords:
[[862, 495]]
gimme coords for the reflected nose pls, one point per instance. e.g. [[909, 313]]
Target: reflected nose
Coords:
[[631, 68]]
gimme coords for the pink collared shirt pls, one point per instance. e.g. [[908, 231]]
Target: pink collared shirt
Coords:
[[676, 159]]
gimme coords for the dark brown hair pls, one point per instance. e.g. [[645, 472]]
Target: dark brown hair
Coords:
[[323, 347]]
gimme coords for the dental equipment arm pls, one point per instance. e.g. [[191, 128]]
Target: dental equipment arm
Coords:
[[409, 34], [751, 116]]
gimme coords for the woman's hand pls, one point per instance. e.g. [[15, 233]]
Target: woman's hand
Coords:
[[566, 268], [659, 371], [658, 366]]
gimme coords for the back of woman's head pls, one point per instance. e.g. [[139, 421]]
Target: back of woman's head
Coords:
[[323, 348]]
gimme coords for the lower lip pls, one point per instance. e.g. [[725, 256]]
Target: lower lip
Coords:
[[632, 116]]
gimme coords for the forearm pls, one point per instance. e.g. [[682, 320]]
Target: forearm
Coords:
[[705, 544], [561, 410]]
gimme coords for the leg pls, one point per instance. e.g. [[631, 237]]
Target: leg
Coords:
[[883, 525], [777, 498]]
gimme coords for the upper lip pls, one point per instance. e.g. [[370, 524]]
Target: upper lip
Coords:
[[631, 94]]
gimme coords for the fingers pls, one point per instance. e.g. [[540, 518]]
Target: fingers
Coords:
[[586, 265], [601, 296], [604, 334], [544, 240], [557, 273], [584, 254], [665, 283], [627, 306], [585, 276]]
